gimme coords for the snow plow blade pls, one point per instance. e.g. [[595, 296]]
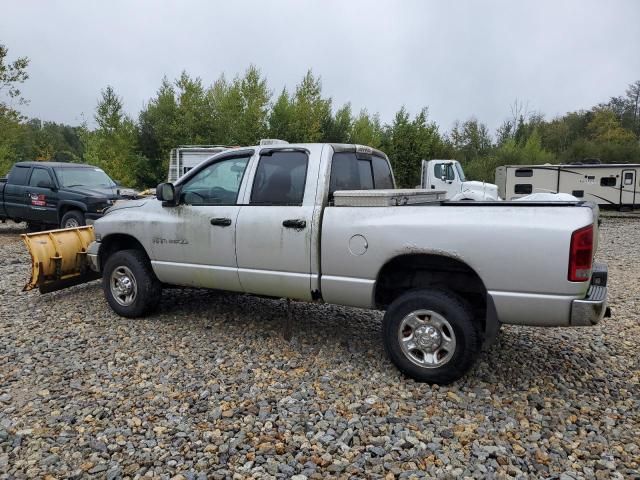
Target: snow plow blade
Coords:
[[59, 258]]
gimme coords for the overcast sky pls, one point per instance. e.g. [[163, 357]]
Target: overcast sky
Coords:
[[459, 58]]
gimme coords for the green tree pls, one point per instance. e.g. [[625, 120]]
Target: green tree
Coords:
[[366, 130], [192, 113], [280, 117], [471, 139], [112, 146], [309, 110], [158, 132], [226, 104], [633, 99], [12, 75], [408, 142], [605, 127], [255, 105]]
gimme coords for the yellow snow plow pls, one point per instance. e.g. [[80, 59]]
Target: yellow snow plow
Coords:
[[59, 258]]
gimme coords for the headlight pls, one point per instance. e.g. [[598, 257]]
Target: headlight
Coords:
[[101, 206]]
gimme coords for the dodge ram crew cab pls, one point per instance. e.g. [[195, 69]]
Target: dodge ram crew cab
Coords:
[[321, 223], [56, 194]]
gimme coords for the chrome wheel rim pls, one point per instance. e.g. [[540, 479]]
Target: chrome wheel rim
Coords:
[[71, 223], [123, 286], [427, 339]]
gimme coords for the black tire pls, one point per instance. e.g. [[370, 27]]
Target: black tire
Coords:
[[73, 218], [456, 313], [34, 227], [148, 288]]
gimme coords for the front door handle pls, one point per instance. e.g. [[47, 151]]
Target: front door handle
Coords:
[[297, 224], [221, 222]]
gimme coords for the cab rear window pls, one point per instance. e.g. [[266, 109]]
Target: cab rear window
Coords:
[[348, 172], [18, 175]]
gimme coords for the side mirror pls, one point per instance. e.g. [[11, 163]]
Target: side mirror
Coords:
[[45, 184], [166, 193]]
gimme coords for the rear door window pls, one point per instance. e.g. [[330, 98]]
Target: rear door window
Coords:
[[280, 178]]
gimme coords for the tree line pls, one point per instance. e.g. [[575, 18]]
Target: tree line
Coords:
[[242, 110]]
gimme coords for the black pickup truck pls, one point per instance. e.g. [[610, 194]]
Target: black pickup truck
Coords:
[[52, 194]]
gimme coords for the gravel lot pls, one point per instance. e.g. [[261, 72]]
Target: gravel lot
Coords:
[[209, 389]]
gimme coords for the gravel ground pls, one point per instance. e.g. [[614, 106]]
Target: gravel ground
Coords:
[[209, 389]]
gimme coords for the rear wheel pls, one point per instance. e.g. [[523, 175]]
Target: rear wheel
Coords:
[[129, 284], [430, 335], [72, 219]]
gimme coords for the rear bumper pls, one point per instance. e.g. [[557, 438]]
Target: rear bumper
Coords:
[[544, 310], [593, 308]]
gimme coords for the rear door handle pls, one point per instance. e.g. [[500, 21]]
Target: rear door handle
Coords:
[[297, 224], [221, 222]]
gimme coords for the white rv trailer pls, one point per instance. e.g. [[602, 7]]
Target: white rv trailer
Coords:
[[608, 185], [185, 157]]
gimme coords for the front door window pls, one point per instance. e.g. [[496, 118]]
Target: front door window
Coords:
[[217, 184]]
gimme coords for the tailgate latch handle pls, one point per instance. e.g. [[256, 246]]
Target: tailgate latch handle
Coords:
[[221, 222], [297, 224]]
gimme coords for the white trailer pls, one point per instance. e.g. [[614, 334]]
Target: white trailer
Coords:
[[186, 157], [608, 185]]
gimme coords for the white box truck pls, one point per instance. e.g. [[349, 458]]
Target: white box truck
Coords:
[[185, 157]]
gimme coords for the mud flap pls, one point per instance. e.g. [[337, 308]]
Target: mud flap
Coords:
[[59, 258]]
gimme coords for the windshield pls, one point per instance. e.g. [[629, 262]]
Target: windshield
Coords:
[[460, 172], [83, 177]]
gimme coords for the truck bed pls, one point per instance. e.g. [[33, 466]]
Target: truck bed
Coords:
[[475, 233]]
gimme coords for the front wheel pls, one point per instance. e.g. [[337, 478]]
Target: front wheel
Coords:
[[430, 335], [72, 219], [129, 284]]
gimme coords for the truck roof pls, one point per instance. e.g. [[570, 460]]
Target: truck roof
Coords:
[[337, 147], [54, 164]]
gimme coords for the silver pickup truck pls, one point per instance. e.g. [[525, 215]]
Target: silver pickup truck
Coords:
[[266, 221]]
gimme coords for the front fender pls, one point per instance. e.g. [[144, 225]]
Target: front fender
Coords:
[[70, 205]]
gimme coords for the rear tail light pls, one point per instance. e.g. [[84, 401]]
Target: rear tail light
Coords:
[[581, 254]]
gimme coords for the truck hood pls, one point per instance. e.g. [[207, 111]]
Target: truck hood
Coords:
[[122, 204], [110, 193], [489, 188]]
